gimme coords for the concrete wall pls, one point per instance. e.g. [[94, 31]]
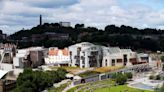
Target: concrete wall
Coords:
[[36, 57], [7, 67], [17, 71]]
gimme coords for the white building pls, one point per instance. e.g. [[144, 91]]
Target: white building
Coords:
[[57, 56], [21, 58], [142, 57], [3, 73], [7, 52], [85, 55], [114, 56], [28, 57]]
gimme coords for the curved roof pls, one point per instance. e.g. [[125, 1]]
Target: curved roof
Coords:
[[2, 73]]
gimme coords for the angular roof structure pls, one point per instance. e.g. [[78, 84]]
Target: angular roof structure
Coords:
[[2, 73]]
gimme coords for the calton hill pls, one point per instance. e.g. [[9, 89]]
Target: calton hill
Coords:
[[55, 35]]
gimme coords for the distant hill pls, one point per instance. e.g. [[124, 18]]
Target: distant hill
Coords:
[[123, 36]]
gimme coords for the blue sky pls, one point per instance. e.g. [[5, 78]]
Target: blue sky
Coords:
[[18, 14]]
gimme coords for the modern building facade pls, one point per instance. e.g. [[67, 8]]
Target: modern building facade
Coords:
[[7, 52], [85, 55], [114, 56], [32, 57]]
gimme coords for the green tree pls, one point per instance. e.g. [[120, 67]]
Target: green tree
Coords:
[[159, 89], [162, 58], [121, 79], [129, 75], [114, 75], [61, 73], [36, 81]]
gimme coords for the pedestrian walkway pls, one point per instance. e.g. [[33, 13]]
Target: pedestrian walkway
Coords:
[[69, 87], [61, 83]]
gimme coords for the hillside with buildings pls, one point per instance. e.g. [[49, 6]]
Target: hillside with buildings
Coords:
[[62, 34]]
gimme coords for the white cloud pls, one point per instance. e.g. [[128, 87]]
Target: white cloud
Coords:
[[18, 14]]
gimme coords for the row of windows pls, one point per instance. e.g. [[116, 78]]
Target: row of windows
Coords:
[[59, 58], [113, 61]]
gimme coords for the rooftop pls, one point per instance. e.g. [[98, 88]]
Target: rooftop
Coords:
[[2, 73]]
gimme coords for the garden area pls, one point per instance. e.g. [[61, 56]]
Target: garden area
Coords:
[[72, 70], [86, 71], [107, 69], [104, 86], [120, 88], [118, 83]]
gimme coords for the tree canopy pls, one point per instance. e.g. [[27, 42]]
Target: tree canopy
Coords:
[[36, 81]]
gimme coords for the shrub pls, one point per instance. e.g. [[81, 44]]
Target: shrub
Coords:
[[159, 89], [129, 75], [163, 67], [114, 75], [162, 58], [121, 79]]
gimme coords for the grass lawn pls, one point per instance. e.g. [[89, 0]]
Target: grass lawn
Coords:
[[88, 73], [120, 88], [90, 85], [74, 70], [73, 89], [107, 69], [69, 69], [112, 88], [58, 89]]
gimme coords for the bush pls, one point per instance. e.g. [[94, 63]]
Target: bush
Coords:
[[163, 67], [121, 79], [114, 75], [162, 58], [129, 75], [159, 89]]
